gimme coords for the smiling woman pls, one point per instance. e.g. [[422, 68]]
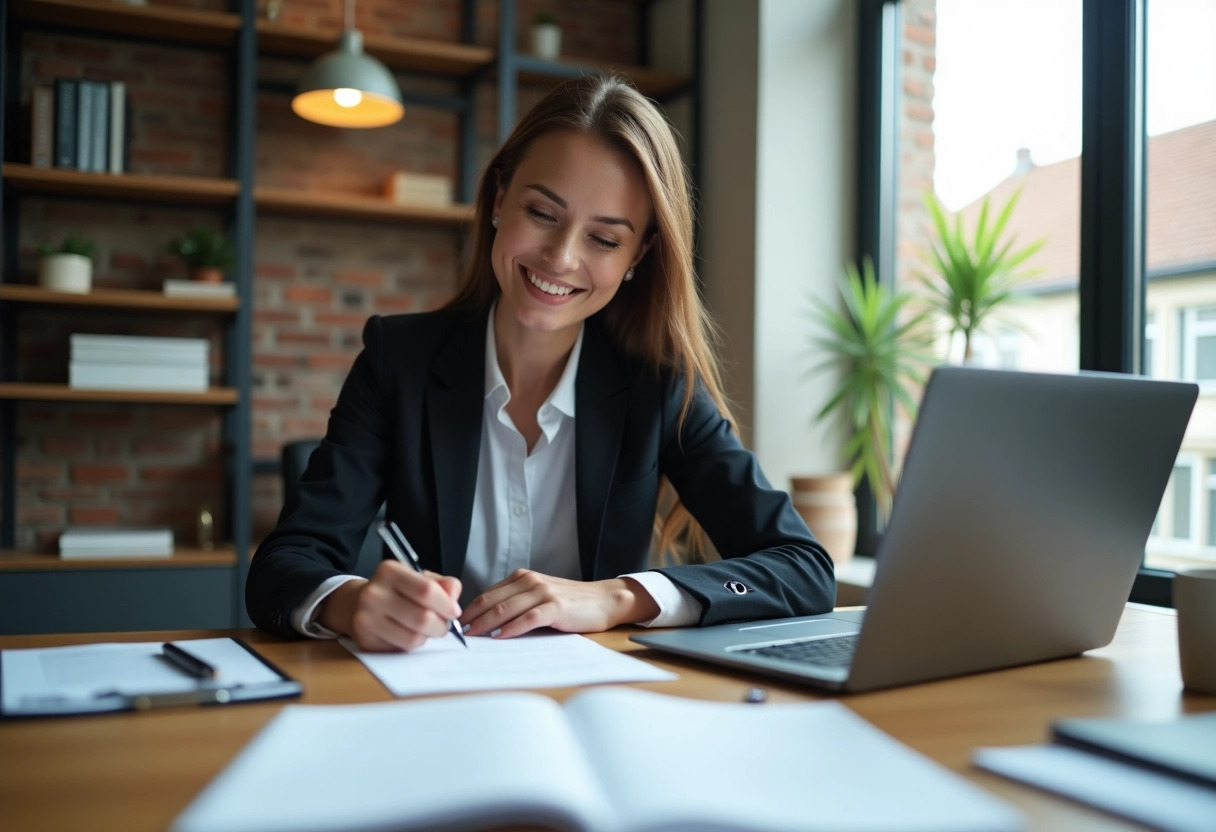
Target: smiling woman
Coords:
[[521, 435]]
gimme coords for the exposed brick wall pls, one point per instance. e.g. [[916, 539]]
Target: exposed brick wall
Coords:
[[916, 143], [315, 283]]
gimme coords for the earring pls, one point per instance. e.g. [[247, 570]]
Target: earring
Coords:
[[494, 221], [629, 274]]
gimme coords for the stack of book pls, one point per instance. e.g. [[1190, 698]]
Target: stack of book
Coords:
[[198, 289], [137, 362], [81, 125], [405, 188], [87, 542]]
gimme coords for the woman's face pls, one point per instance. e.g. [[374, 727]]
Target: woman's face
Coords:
[[572, 220]]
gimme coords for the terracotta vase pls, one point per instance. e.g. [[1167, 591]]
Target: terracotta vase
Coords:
[[208, 274], [828, 506]]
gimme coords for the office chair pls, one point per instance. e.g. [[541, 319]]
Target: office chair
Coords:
[[294, 460]]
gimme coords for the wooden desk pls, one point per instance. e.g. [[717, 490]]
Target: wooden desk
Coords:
[[137, 771]]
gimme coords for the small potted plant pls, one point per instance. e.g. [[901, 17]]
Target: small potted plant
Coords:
[[879, 347], [67, 266], [546, 37], [206, 253]]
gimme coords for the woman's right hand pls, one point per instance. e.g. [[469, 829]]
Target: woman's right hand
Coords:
[[398, 609]]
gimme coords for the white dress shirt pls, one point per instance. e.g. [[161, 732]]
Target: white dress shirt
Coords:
[[523, 505]]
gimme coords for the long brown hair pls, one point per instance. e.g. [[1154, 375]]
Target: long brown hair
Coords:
[[658, 316]]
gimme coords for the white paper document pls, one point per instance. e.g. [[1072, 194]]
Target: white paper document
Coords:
[[1157, 800], [609, 760], [536, 660]]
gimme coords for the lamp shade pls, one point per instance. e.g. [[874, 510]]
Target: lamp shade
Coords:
[[348, 88]]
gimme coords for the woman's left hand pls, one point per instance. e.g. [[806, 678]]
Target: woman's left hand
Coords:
[[527, 600]]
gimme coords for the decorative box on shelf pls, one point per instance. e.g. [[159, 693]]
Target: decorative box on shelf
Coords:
[[405, 188]]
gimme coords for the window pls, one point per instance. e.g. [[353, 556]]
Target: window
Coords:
[[1198, 329]]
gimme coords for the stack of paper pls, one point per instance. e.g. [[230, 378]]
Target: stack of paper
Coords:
[[418, 189], [199, 289], [85, 542], [134, 362]]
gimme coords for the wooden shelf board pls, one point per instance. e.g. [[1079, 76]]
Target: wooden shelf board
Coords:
[[62, 393], [117, 299], [186, 190], [308, 203], [414, 54], [169, 23], [12, 560]]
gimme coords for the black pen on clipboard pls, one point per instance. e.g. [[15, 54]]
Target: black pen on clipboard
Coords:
[[399, 546], [187, 662]]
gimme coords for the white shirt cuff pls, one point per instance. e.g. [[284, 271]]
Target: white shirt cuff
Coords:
[[676, 607], [303, 617]]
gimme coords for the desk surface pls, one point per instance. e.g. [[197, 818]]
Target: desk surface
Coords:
[[137, 771]]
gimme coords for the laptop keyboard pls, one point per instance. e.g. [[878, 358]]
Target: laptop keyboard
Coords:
[[826, 652]]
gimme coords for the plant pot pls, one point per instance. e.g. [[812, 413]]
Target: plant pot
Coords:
[[547, 41], [828, 506], [65, 273], [208, 274]]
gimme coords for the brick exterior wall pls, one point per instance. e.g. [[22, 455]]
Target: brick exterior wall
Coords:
[[916, 144], [315, 283]]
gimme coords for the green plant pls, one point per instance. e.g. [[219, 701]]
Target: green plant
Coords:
[[878, 346], [972, 277], [204, 248], [545, 19], [70, 244]]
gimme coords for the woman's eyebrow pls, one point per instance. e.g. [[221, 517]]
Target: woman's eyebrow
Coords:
[[606, 220]]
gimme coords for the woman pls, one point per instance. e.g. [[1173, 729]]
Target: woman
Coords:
[[519, 436]]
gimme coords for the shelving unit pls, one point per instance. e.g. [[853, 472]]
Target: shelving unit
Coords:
[[197, 588]]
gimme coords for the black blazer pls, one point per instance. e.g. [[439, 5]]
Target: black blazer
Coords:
[[406, 430]]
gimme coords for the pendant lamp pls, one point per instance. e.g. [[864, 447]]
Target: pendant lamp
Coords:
[[348, 88]]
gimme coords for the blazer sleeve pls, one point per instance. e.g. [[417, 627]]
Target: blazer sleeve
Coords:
[[771, 564], [322, 526]]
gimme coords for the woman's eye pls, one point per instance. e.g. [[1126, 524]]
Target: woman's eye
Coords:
[[538, 214], [606, 245]]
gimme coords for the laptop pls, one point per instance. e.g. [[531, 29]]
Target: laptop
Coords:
[[1017, 530]]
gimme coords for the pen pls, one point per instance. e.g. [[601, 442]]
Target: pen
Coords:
[[391, 534], [187, 662]]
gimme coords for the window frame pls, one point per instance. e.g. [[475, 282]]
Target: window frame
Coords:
[[1111, 285]]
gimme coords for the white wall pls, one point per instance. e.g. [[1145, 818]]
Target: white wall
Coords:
[[778, 97]]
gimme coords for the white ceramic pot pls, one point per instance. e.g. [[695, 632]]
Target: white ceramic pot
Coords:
[[547, 41], [65, 273]]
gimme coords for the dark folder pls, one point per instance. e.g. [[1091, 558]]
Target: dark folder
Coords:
[[1184, 746]]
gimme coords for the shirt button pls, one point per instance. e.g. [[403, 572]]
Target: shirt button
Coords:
[[518, 510]]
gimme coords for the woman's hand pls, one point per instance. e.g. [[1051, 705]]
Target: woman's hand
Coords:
[[398, 609], [527, 600]]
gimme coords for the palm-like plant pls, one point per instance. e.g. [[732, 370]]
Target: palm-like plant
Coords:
[[972, 276], [878, 347]]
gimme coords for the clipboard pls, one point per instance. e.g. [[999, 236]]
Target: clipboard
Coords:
[[112, 677]]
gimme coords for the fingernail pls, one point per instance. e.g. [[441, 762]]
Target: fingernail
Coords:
[[459, 612], [495, 632], [466, 628]]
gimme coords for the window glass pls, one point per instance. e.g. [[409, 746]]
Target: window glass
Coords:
[[1180, 261]]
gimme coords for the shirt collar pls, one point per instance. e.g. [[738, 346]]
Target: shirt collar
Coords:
[[562, 397]]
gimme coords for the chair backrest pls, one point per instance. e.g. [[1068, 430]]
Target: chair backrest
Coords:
[[292, 463]]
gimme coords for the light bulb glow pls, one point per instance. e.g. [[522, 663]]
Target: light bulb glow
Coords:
[[346, 97]]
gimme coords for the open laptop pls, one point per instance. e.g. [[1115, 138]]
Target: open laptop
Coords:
[[1017, 530]]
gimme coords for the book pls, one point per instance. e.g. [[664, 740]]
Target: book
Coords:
[[107, 677], [145, 377], [65, 122], [42, 127], [418, 188], [87, 542], [99, 147], [142, 357], [198, 289], [1183, 747], [84, 125], [609, 760], [116, 161]]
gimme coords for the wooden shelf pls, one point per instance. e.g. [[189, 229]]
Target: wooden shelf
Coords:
[[416, 54], [183, 190], [12, 560], [309, 203], [62, 393], [117, 299], [163, 22]]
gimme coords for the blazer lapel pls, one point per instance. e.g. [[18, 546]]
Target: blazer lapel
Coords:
[[599, 418], [455, 397]]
